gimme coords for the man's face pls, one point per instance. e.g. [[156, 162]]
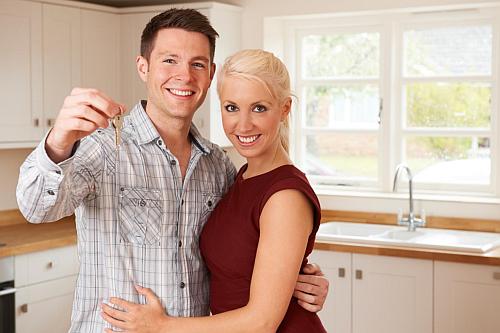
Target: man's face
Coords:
[[178, 74]]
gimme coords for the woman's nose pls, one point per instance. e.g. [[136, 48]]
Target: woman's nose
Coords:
[[245, 122]]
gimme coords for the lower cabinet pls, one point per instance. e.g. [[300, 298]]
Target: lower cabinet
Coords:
[[45, 283], [371, 294], [466, 298]]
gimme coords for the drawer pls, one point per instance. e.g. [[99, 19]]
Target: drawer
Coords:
[[45, 265]]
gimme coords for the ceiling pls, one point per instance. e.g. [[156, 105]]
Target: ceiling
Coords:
[[134, 3]]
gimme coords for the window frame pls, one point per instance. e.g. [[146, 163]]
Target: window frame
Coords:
[[391, 26]]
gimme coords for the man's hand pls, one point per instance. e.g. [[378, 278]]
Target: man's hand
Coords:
[[311, 288], [83, 111]]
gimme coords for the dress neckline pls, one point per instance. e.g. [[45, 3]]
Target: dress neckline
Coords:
[[245, 166]]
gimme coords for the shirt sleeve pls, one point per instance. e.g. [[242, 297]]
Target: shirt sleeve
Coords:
[[47, 191]]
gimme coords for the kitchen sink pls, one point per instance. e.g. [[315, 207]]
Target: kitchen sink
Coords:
[[379, 234]]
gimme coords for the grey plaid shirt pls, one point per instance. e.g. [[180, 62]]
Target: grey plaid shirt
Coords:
[[137, 222]]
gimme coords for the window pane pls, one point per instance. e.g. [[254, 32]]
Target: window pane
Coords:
[[449, 160], [347, 106], [342, 155], [341, 55], [448, 105], [448, 51]]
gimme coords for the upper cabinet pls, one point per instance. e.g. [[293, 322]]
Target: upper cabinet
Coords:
[[21, 72], [226, 19], [51, 48], [61, 57], [101, 52]]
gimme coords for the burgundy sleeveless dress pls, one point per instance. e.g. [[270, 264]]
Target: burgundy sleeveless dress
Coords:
[[230, 237]]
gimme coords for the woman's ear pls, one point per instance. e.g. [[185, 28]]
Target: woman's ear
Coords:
[[142, 67], [286, 108]]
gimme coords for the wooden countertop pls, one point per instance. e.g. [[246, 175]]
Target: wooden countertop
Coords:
[[22, 237]]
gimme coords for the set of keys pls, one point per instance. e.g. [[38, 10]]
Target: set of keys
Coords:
[[117, 122]]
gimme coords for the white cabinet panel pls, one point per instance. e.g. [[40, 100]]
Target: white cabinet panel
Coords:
[[391, 295], [466, 298], [21, 68], [101, 52], [336, 313], [61, 57]]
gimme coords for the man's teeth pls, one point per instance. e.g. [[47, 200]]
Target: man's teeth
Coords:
[[181, 92], [247, 139]]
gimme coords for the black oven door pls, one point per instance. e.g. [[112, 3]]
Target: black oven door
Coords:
[[7, 305]]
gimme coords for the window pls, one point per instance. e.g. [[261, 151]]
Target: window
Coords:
[[400, 87]]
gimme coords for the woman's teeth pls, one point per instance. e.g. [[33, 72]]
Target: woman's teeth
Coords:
[[247, 139], [181, 92]]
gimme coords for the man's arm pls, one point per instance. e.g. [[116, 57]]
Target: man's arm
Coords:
[[52, 183]]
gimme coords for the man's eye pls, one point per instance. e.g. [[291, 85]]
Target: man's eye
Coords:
[[169, 61], [231, 108], [199, 65], [260, 108]]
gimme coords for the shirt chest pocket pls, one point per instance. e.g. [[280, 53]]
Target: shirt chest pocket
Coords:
[[209, 200], [140, 215]]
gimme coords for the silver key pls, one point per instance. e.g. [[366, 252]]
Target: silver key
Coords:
[[117, 122]]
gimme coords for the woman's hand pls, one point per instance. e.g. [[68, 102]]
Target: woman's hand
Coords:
[[136, 318]]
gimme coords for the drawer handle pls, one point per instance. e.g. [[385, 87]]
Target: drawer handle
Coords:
[[496, 275], [24, 308], [359, 274], [50, 265], [341, 272]]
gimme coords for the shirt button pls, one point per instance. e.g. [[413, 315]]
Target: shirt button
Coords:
[[180, 243], [50, 192], [58, 172], [142, 203], [173, 162], [209, 203], [182, 285], [182, 202], [160, 142]]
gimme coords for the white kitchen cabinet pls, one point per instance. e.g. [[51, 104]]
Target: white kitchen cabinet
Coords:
[[61, 57], [466, 298], [391, 295], [45, 283], [377, 293], [336, 313], [226, 19], [101, 52], [21, 72]]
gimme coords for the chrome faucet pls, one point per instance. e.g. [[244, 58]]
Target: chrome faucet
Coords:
[[411, 221]]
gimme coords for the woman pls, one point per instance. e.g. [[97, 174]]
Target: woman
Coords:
[[266, 223]]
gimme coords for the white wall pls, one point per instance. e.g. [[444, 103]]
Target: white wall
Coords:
[[254, 11]]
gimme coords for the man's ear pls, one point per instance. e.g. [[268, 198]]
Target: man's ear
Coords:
[[142, 67]]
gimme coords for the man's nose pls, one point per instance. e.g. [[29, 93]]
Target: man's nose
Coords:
[[183, 72]]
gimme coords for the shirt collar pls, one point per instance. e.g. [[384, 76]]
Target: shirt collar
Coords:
[[146, 131]]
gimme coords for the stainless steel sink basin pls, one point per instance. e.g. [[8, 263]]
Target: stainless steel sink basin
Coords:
[[440, 239]]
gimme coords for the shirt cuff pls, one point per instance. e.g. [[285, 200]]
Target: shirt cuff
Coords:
[[47, 166]]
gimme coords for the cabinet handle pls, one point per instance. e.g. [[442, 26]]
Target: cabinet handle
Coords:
[[24, 308], [50, 121], [50, 265], [496, 275], [36, 122], [341, 272], [359, 274]]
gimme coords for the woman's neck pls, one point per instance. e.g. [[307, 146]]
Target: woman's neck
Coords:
[[262, 164]]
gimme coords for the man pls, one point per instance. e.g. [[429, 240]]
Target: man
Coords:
[[140, 206]]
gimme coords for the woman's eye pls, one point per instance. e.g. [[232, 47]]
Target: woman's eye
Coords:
[[231, 108], [259, 108]]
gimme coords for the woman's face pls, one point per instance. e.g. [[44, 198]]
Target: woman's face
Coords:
[[251, 117]]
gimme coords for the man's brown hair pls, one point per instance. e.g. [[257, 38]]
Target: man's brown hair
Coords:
[[186, 19]]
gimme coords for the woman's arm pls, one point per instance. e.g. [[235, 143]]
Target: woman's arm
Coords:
[[285, 225]]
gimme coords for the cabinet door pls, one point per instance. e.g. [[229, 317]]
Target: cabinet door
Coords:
[[391, 295], [100, 52], [466, 298], [21, 71], [45, 307], [336, 313], [61, 57]]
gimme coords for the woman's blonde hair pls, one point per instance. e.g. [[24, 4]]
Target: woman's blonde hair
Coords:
[[266, 68]]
